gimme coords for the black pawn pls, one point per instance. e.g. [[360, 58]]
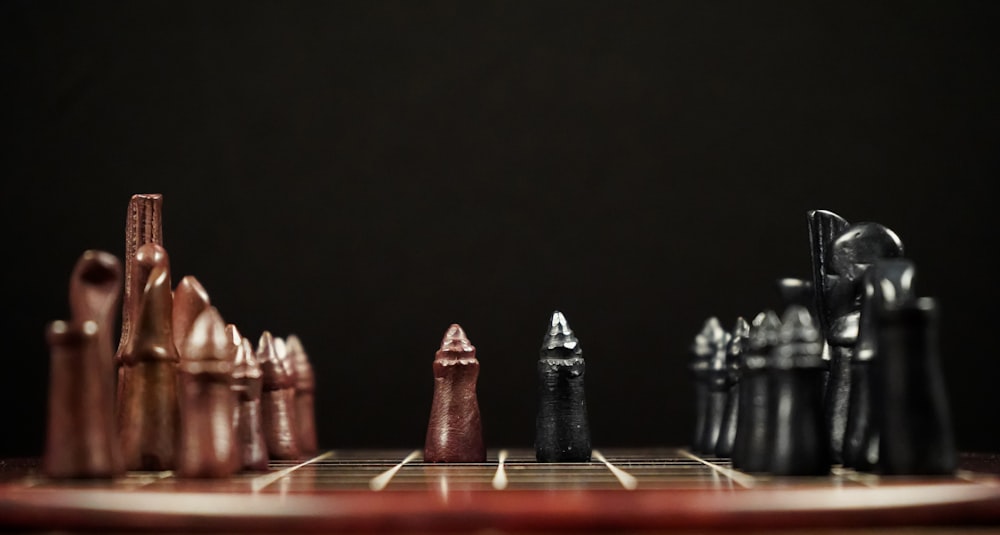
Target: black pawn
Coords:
[[562, 433], [710, 347], [727, 431], [912, 406], [751, 449], [797, 436]]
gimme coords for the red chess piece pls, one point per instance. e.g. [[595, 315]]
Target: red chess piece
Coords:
[[455, 434]]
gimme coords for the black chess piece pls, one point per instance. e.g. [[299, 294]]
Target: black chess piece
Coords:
[[797, 434], [911, 403], [730, 416], [888, 282], [750, 449], [795, 291], [562, 431], [841, 254], [709, 348]]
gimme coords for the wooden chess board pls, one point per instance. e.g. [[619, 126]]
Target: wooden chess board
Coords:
[[379, 491]]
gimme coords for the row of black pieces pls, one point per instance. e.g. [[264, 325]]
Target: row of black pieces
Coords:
[[850, 377]]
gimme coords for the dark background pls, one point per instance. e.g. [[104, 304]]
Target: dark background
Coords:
[[364, 174]]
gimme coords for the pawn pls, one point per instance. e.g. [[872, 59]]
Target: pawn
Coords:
[[206, 441], [710, 346], [277, 400], [248, 423], [797, 434], [751, 451], [730, 417], [454, 433], [911, 404], [562, 432], [305, 388]]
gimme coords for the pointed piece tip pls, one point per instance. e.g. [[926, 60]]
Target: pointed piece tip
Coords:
[[560, 341], [207, 339], [456, 341]]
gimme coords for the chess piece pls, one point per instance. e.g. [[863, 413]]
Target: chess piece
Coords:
[[277, 400], [797, 432], [143, 224], [248, 423], [730, 417], [190, 300], [888, 282], [305, 388], [81, 439], [710, 348], [912, 406], [78, 443], [800, 292], [148, 417], [562, 431], [94, 292], [207, 443], [751, 450], [454, 433], [841, 254]]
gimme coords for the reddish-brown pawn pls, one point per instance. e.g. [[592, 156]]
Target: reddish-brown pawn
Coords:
[[207, 438], [247, 420], [190, 300], [277, 401], [454, 434], [305, 387], [148, 410]]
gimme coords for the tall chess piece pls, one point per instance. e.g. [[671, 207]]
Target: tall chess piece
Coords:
[[914, 417], [82, 439], [730, 417], [887, 283], [841, 254], [143, 225], [751, 450], [797, 434], [455, 433], [562, 431], [710, 347], [149, 409]]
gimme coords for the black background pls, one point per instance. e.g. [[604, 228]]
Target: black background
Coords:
[[364, 174]]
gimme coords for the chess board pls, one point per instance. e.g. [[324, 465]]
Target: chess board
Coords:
[[394, 491]]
